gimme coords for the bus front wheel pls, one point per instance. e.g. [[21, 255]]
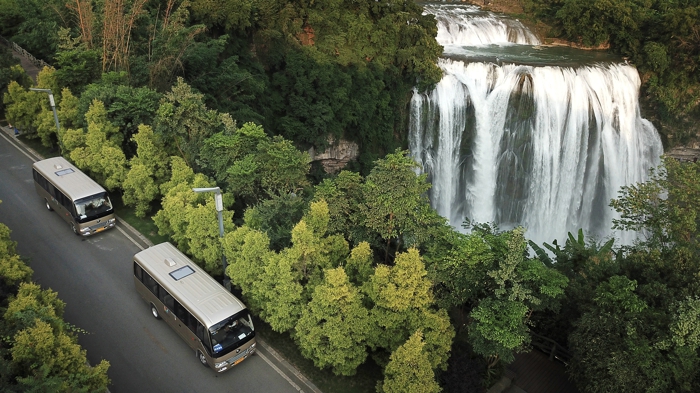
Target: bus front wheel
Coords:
[[75, 230], [48, 207], [202, 359], [154, 311]]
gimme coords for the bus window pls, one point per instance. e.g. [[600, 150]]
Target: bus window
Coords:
[[150, 283], [138, 272], [230, 333], [166, 298], [181, 313]]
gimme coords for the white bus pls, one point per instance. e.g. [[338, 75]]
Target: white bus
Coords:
[[213, 322], [79, 200]]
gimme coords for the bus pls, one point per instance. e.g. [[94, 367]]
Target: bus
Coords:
[[79, 200], [213, 322]]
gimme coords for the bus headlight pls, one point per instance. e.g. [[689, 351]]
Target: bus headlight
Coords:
[[85, 230], [221, 364]]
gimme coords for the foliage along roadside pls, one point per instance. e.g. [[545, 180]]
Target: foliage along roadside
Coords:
[[378, 231], [39, 350]]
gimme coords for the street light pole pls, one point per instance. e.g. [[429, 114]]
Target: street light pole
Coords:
[[219, 201], [55, 115]]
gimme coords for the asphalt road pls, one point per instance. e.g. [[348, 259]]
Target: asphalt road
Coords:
[[94, 277]]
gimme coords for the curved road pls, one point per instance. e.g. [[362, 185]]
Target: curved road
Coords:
[[94, 277]]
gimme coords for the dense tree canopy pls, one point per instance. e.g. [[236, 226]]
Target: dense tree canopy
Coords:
[[155, 98]]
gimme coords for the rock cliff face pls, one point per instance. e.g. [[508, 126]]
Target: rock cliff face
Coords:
[[336, 156]]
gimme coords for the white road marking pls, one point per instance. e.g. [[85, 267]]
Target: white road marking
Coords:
[[17, 147], [294, 385], [129, 237]]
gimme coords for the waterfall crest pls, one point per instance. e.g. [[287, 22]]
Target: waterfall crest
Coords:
[[468, 25], [545, 147]]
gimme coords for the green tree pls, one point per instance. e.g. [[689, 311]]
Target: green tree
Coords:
[[67, 111], [10, 70], [190, 219], [77, 64], [277, 217], [22, 107], [208, 69], [127, 106], [184, 121], [230, 14], [401, 296], [12, 269], [224, 149], [99, 153], [169, 43], [248, 253], [280, 293], [33, 303], [515, 287], [344, 196], [334, 325], [57, 354], [312, 251], [664, 209], [147, 171], [612, 328], [409, 370], [359, 265]]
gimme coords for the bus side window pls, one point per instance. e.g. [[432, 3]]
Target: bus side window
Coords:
[[192, 323], [40, 180], [166, 298], [52, 191], [67, 203], [150, 283], [182, 314], [138, 272]]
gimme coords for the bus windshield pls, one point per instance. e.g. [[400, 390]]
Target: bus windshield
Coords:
[[93, 207], [231, 333]]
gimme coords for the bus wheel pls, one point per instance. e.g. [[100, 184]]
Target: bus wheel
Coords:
[[48, 207], [72, 226], [154, 311], [202, 359]]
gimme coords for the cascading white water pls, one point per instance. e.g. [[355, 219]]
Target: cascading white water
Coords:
[[545, 147], [460, 25]]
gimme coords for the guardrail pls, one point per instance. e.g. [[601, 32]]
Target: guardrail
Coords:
[[551, 348], [37, 62]]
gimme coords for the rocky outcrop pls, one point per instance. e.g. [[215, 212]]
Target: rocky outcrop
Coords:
[[336, 156], [685, 153]]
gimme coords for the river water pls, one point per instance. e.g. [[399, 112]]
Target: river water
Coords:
[[517, 133]]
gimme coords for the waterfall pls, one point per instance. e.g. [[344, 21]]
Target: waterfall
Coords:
[[545, 147]]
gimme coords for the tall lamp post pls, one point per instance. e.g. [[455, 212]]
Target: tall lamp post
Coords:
[[55, 115], [218, 199]]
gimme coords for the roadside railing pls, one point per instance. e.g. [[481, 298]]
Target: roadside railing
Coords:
[[37, 62], [551, 348]]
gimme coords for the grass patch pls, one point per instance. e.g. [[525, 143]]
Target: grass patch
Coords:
[[364, 381], [35, 144], [145, 225]]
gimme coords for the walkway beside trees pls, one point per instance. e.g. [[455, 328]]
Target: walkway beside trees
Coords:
[[28, 62]]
